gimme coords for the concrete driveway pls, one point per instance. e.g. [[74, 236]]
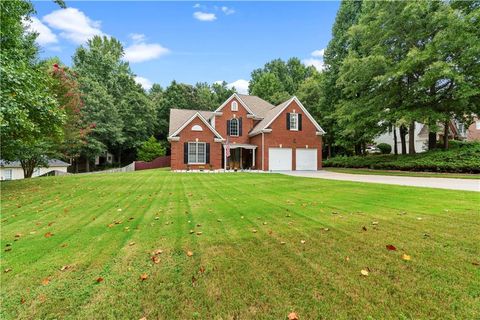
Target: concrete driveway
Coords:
[[441, 183]]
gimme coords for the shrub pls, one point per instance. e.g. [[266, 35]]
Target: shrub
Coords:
[[385, 148], [463, 157], [150, 150]]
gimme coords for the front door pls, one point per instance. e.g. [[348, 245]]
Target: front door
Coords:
[[234, 159]]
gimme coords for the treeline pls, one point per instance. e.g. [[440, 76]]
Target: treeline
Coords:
[[80, 112], [388, 65]]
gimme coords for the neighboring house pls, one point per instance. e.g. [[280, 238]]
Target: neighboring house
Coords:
[[473, 131], [13, 170], [257, 134], [456, 131]]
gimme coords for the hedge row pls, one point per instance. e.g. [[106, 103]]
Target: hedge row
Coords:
[[461, 157]]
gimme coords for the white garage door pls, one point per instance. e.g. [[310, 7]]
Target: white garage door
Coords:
[[306, 159], [279, 159]]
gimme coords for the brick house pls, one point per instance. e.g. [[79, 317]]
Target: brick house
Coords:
[[257, 135]]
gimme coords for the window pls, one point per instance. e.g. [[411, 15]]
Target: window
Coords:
[[294, 121], [234, 127], [7, 174], [477, 124], [196, 153], [36, 172], [234, 106]]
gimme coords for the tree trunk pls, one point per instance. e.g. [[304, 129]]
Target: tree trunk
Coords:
[[395, 141], [87, 164], [403, 133], [76, 165], [329, 151], [411, 138], [28, 166], [432, 140], [445, 134], [358, 149]]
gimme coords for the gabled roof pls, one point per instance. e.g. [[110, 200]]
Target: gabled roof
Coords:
[[259, 106], [16, 164], [253, 104], [180, 117], [272, 114]]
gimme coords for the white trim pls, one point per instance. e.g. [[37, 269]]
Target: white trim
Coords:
[[197, 128], [197, 114], [218, 140], [294, 98], [254, 117], [173, 138], [197, 143], [290, 121], [239, 99], [234, 106]]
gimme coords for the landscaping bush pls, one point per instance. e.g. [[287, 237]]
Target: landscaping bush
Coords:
[[462, 157], [385, 148]]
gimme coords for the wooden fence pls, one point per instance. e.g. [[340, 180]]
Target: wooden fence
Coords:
[[160, 162]]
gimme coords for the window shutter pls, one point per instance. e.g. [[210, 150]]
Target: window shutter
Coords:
[[240, 126], [288, 121], [228, 127], [299, 122], [185, 152], [207, 153]]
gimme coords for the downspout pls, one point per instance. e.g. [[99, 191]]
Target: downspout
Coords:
[[263, 151]]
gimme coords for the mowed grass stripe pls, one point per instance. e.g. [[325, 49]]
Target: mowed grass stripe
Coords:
[[247, 275]]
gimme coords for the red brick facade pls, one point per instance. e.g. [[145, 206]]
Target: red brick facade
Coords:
[[278, 137]]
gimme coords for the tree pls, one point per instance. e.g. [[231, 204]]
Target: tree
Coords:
[[278, 80], [336, 51], [150, 149], [30, 117]]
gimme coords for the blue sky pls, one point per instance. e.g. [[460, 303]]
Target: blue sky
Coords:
[[191, 41]]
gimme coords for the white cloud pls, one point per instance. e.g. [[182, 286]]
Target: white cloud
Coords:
[[139, 52], [137, 37], [240, 84], [45, 35], [227, 10], [204, 16], [144, 82], [318, 53], [317, 63], [196, 5], [73, 24]]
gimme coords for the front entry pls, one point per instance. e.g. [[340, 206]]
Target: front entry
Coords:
[[240, 159]]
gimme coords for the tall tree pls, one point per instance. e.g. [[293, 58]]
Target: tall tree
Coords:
[[30, 117], [336, 51]]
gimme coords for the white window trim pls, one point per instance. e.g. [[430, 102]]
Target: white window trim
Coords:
[[238, 127], [196, 152], [234, 106], [295, 116]]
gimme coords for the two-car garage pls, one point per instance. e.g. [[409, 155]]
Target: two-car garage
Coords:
[[281, 159]]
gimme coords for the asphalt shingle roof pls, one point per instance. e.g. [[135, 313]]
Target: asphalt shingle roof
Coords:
[[16, 164], [179, 116]]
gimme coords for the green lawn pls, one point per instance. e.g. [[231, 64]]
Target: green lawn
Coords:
[[406, 173], [107, 226]]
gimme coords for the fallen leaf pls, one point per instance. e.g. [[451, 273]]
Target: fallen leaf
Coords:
[[143, 276], [48, 234], [202, 269], [194, 281], [189, 253], [347, 259], [406, 257], [143, 318], [326, 229], [364, 228], [7, 270], [156, 259], [131, 243], [64, 245], [65, 267], [22, 300], [419, 218], [50, 224], [264, 223], [375, 223], [292, 316], [391, 247], [119, 210], [158, 251], [45, 281], [199, 233], [18, 235], [476, 263], [199, 225], [283, 242], [302, 241], [364, 272], [99, 279], [192, 231], [219, 220], [254, 231]]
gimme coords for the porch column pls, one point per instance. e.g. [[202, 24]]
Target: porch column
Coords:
[[225, 157], [241, 151], [253, 161]]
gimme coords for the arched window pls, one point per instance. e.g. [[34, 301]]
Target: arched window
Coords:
[[234, 127], [234, 106]]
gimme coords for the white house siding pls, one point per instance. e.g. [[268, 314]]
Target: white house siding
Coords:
[[17, 173], [421, 139]]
